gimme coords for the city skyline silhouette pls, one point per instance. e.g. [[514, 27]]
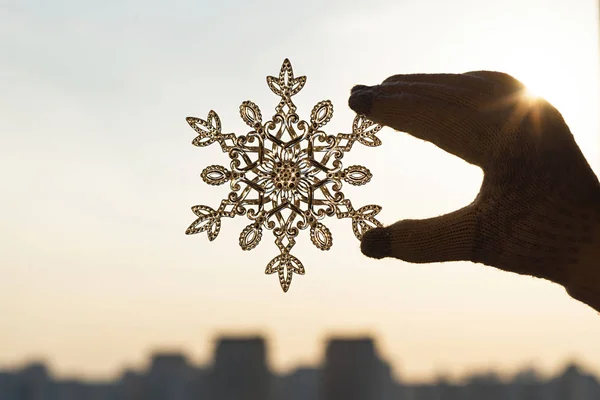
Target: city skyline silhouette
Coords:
[[352, 369]]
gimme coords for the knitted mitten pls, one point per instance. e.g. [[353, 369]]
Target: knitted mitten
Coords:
[[538, 210]]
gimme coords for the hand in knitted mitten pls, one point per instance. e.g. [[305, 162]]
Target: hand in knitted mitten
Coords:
[[538, 210]]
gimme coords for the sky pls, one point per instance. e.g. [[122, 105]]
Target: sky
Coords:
[[99, 175]]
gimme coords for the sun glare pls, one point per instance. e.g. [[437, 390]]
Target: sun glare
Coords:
[[540, 86], [532, 93]]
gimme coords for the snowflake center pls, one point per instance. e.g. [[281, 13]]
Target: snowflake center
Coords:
[[286, 175]]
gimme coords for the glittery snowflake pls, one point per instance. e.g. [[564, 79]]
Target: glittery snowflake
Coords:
[[285, 175]]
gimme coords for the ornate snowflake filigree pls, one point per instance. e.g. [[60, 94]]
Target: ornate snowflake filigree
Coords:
[[285, 175]]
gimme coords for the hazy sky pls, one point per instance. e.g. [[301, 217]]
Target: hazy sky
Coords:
[[99, 174]]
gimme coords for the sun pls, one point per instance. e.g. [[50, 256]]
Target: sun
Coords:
[[541, 87], [533, 93], [529, 102], [538, 89], [540, 84]]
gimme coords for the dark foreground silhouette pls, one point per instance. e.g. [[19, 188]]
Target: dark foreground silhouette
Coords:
[[538, 210]]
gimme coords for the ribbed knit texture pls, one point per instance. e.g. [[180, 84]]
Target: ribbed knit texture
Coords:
[[538, 210]]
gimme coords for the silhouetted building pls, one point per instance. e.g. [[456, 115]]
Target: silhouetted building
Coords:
[[77, 390], [9, 386], [423, 392], [240, 370], [34, 383], [448, 391], [170, 378], [526, 385], [488, 386], [390, 390], [301, 384], [573, 384], [353, 371], [131, 386]]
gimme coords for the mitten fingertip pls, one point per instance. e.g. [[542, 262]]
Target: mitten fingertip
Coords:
[[376, 243], [361, 100]]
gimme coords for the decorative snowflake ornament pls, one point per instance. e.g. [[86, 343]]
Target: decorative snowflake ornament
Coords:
[[285, 175]]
